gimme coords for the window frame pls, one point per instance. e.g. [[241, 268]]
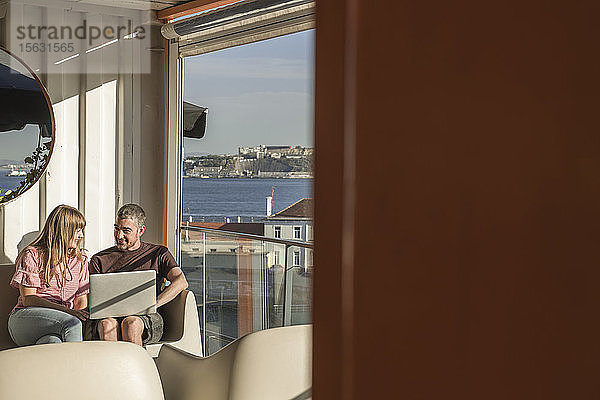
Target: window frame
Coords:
[[299, 230], [276, 257], [302, 18], [173, 111]]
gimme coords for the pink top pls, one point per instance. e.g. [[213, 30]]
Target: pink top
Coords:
[[30, 273]]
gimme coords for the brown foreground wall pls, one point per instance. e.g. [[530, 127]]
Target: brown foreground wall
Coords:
[[457, 200]]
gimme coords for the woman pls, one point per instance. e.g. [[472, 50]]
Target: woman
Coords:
[[53, 282]]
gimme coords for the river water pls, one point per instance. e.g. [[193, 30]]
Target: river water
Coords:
[[8, 182], [217, 199], [214, 200]]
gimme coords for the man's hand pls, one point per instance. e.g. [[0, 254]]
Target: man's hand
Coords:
[[178, 283]]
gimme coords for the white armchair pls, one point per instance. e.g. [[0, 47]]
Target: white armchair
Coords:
[[83, 370], [271, 364]]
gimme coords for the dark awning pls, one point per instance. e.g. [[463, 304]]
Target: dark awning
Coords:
[[194, 120], [240, 23], [22, 102]]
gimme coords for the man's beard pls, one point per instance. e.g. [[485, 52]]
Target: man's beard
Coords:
[[124, 245]]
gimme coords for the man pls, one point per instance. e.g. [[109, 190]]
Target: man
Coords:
[[131, 254]]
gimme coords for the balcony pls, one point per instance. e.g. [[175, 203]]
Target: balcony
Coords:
[[245, 283]]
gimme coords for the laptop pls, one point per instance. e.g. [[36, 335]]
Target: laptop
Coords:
[[121, 294]]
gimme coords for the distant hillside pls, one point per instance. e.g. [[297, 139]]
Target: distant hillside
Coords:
[[195, 154], [5, 162], [251, 165]]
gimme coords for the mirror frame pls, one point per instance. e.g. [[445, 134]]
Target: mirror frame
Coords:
[[52, 125]]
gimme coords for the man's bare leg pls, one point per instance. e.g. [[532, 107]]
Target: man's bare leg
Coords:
[[132, 328], [108, 329]]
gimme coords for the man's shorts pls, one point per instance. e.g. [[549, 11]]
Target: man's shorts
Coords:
[[153, 328]]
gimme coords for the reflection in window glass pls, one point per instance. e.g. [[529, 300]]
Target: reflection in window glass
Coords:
[[19, 155]]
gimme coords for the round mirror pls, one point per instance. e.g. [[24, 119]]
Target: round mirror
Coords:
[[26, 127]]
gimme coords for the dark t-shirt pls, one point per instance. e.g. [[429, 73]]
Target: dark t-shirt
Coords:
[[148, 256]]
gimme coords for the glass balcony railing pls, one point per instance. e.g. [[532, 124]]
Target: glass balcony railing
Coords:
[[245, 283]]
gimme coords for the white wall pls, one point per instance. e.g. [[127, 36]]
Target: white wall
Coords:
[[62, 175], [19, 217], [100, 166]]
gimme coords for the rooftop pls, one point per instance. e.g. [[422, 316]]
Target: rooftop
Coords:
[[303, 208]]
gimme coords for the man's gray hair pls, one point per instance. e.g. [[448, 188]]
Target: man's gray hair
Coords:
[[133, 212]]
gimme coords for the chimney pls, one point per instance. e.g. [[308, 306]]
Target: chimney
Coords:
[[269, 206]]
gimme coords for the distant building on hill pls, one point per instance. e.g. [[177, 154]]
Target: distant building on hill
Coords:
[[263, 151], [203, 172]]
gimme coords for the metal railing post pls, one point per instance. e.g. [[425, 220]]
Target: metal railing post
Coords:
[[284, 283], [204, 349]]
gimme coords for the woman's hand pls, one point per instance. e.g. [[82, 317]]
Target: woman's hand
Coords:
[[80, 307], [81, 314], [31, 300]]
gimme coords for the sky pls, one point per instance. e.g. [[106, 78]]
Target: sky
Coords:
[[260, 93], [16, 145]]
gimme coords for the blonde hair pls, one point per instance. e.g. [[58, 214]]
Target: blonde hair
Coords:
[[53, 242]]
